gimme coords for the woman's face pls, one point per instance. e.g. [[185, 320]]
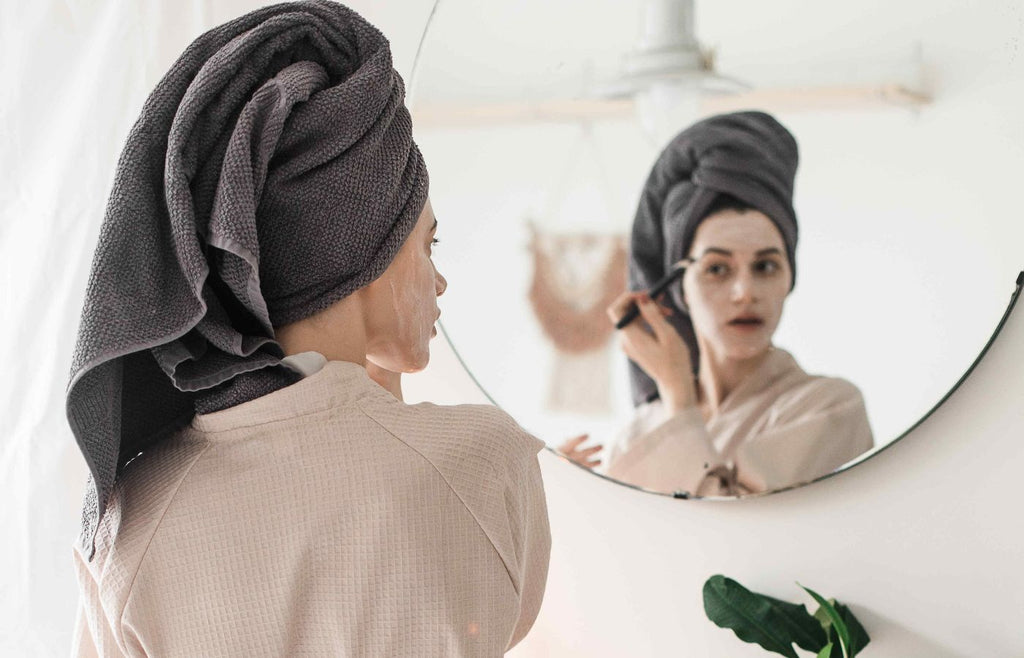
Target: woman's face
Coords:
[[737, 286], [401, 305]]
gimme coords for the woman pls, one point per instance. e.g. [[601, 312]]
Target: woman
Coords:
[[263, 278], [721, 411]]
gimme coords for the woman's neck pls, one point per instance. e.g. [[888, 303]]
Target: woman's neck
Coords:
[[337, 332], [720, 375]]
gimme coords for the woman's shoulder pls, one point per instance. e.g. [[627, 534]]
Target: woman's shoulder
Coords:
[[483, 455], [801, 386], [813, 395], [463, 428], [827, 388], [144, 490]]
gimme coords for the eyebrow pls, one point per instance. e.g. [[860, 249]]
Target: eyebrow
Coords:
[[726, 252]]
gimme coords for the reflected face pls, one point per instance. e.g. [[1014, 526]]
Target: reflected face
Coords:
[[401, 305], [736, 288]]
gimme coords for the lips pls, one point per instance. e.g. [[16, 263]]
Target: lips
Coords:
[[746, 322]]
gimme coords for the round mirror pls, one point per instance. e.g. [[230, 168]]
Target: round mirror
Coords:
[[541, 122]]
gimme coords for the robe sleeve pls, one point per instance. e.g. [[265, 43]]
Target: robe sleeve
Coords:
[[491, 464], [94, 636], [810, 433], [676, 455], [528, 520], [513, 512], [83, 646]]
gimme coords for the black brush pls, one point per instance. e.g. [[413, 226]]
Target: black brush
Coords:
[[661, 286]]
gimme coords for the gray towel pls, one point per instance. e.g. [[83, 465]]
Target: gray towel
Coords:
[[271, 173], [747, 155]]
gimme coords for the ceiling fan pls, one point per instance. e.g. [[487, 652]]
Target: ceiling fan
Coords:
[[666, 66]]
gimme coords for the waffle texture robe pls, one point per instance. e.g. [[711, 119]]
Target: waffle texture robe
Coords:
[[326, 518], [779, 428]]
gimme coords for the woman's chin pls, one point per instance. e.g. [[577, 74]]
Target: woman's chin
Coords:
[[418, 359], [405, 361]]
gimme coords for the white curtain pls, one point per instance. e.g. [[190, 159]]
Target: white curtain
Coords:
[[75, 75]]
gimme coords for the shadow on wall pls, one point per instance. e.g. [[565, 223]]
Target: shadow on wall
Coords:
[[897, 639]]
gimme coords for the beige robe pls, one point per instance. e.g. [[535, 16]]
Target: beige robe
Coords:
[[779, 428], [329, 519]]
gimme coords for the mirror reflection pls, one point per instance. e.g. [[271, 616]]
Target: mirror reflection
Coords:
[[832, 270], [721, 409]]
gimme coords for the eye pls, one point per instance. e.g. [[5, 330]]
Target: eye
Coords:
[[717, 269], [767, 266], [434, 242]]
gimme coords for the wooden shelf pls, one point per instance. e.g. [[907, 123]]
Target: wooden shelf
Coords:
[[795, 99]]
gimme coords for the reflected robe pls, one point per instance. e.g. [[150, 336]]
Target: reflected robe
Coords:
[[325, 518], [779, 428]]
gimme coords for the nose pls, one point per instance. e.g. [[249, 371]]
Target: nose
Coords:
[[743, 288], [440, 283]]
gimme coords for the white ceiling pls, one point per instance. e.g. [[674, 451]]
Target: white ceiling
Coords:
[[484, 50]]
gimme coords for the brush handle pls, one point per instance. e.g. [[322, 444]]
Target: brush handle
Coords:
[[630, 315], [634, 311]]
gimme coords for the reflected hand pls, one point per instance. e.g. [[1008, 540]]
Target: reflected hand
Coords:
[[657, 348], [584, 457]]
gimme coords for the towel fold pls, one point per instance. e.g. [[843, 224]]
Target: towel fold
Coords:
[[271, 173]]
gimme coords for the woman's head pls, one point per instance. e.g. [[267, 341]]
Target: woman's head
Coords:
[[271, 175], [388, 322], [748, 156], [400, 308], [735, 290]]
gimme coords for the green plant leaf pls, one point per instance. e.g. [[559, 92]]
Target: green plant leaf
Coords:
[[858, 636], [826, 651], [751, 616], [823, 619], [798, 624], [837, 623]]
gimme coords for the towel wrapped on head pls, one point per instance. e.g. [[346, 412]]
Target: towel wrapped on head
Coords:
[[271, 173], [746, 155]]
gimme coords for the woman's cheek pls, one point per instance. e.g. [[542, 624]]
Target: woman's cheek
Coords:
[[703, 313]]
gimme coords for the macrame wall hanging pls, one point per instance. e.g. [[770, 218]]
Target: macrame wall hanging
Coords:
[[576, 275], [575, 278]]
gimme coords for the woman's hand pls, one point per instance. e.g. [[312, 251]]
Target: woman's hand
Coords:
[[584, 457], [657, 348]]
